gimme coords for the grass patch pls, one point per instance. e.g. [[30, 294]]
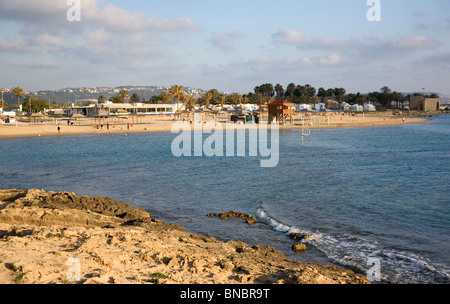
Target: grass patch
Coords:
[[154, 277]]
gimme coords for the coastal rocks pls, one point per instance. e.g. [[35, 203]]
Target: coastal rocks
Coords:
[[248, 218], [137, 251], [295, 236], [41, 208], [299, 247]]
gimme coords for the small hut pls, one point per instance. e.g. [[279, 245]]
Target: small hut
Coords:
[[101, 115], [76, 118], [282, 111], [35, 117]]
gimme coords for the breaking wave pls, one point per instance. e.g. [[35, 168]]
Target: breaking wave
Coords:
[[357, 253]]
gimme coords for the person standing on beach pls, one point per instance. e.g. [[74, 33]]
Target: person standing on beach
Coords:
[[403, 118], [59, 129]]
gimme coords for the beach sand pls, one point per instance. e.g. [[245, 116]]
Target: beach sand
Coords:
[[60, 238], [91, 126]]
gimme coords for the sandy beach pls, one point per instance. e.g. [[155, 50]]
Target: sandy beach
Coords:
[[62, 238], [91, 126]]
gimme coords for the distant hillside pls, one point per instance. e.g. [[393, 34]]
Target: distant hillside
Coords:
[[445, 99], [72, 95]]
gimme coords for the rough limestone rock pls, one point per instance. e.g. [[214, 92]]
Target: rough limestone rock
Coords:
[[299, 247], [248, 218], [45, 235], [41, 208]]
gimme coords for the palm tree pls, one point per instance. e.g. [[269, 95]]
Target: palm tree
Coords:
[[177, 92], [135, 98], [101, 99], [222, 99], [279, 90], [3, 91], [17, 92], [189, 102], [290, 90], [124, 95], [206, 99]]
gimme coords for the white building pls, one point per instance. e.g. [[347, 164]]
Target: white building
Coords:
[[123, 109], [8, 117], [320, 107], [304, 107], [357, 108], [368, 107]]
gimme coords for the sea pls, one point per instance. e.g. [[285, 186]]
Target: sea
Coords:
[[376, 200]]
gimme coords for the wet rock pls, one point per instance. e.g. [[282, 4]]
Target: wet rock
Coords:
[[248, 218], [299, 247]]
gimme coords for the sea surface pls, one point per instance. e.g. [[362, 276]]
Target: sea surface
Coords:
[[367, 194]]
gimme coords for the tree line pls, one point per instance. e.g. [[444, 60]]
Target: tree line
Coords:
[[262, 94]]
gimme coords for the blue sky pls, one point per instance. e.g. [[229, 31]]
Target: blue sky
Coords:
[[229, 45]]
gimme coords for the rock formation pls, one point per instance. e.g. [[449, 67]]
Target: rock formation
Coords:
[[48, 237]]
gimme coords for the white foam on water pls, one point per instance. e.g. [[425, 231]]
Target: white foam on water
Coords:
[[355, 252]]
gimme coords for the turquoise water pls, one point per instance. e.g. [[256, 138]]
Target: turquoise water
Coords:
[[365, 193]]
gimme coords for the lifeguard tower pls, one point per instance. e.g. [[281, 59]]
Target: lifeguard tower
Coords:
[[282, 111]]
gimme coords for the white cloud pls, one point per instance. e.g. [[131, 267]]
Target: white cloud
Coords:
[[52, 15], [35, 65], [17, 45], [118, 19], [49, 40], [224, 41], [290, 36], [370, 46]]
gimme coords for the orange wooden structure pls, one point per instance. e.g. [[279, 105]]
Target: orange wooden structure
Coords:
[[282, 111]]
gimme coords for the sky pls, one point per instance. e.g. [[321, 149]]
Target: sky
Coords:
[[232, 46]]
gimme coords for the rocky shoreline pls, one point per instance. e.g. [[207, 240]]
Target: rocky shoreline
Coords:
[[111, 242]]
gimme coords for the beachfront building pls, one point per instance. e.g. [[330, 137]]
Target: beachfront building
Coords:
[[8, 117], [125, 109], [420, 103], [282, 111]]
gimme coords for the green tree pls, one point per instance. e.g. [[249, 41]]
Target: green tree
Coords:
[[386, 96], [398, 98], [189, 102], [2, 100], [339, 94], [165, 97], [124, 95], [32, 104], [266, 90], [18, 93], [135, 98], [279, 90], [176, 93], [322, 93], [290, 90], [235, 99], [222, 99], [101, 99], [116, 99], [206, 99]]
